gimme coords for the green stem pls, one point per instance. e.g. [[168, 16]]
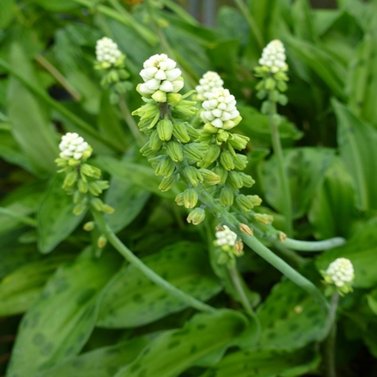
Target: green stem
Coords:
[[250, 20], [149, 273], [21, 218], [262, 250], [283, 178], [57, 75], [124, 109], [313, 245], [237, 283], [330, 332]]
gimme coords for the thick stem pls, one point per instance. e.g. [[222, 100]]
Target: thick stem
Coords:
[[149, 273], [130, 121], [313, 245], [237, 283], [283, 178], [262, 250]]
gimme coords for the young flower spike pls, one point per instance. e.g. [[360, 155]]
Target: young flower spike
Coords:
[[273, 57], [73, 146], [209, 81], [219, 109], [161, 76], [107, 52], [341, 274]]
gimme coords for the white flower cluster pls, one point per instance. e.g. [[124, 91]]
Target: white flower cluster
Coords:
[[273, 57], [225, 237], [340, 272], [219, 109], [107, 51], [209, 81], [73, 146], [160, 73]]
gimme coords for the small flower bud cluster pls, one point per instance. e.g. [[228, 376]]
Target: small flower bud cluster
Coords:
[[82, 180], [161, 76], [219, 109], [73, 146], [341, 274], [272, 71], [107, 52], [229, 243], [208, 82], [225, 237], [273, 57]]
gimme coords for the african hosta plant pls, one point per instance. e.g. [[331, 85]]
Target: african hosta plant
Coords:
[[170, 223]]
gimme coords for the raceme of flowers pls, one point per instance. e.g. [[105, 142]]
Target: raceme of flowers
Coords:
[[160, 75], [74, 146], [273, 57], [208, 82], [107, 51], [225, 237], [220, 110], [340, 273]]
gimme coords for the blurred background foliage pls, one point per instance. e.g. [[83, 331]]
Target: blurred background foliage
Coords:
[[85, 316]]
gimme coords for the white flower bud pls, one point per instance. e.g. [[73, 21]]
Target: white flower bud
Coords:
[[273, 57], [340, 273], [209, 81], [107, 51], [219, 109], [160, 73], [74, 146], [225, 237]]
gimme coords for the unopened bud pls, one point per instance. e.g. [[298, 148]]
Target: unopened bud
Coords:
[[165, 129], [89, 226], [263, 218], [210, 177], [190, 198], [155, 142], [102, 241], [282, 236], [174, 98], [210, 156], [167, 183], [226, 196], [246, 229], [194, 152], [227, 160], [174, 151], [248, 202], [90, 171], [180, 132], [240, 161], [192, 175], [70, 179], [196, 216], [164, 167], [238, 248], [159, 96], [238, 141], [235, 179]]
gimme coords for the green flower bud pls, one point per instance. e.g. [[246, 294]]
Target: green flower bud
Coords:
[[248, 202], [146, 150], [102, 241], [238, 141], [90, 171], [210, 156], [179, 199], [180, 132], [235, 180], [210, 129], [194, 152], [83, 186], [165, 129], [226, 196], [185, 109], [164, 167], [89, 226], [247, 180], [70, 179], [269, 84], [222, 136], [155, 142], [190, 198], [240, 161], [193, 132], [210, 177], [79, 208], [159, 96], [96, 188], [227, 160], [263, 218], [192, 175], [174, 151], [174, 98], [196, 216], [167, 183], [222, 173]]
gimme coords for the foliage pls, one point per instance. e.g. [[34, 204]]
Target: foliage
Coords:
[[70, 302]]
